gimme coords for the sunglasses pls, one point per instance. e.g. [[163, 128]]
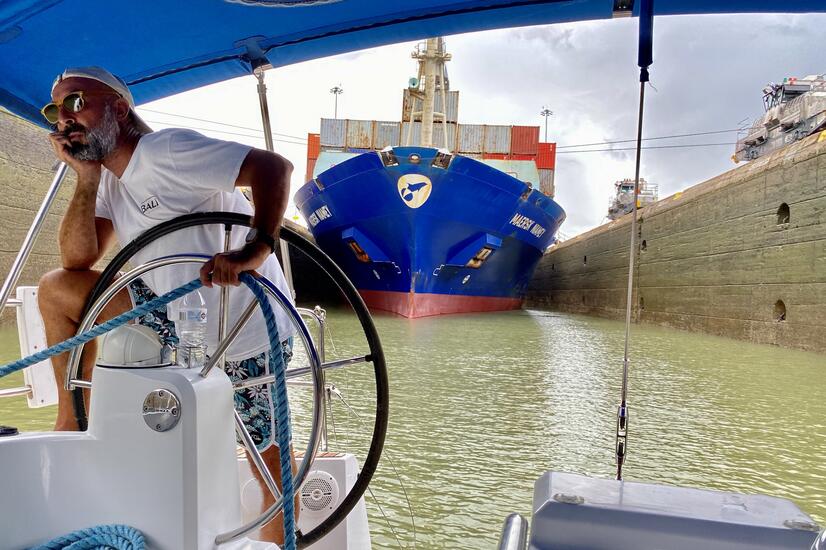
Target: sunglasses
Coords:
[[72, 103]]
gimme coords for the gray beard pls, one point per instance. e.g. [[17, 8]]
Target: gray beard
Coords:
[[100, 141]]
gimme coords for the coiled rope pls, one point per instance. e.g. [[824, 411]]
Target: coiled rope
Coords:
[[102, 537], [122, 537]]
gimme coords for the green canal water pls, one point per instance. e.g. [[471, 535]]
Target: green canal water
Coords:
[[482, 404]]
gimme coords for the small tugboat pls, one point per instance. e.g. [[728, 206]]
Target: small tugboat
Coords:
[[796, 108], [623, 201], [424, 231]]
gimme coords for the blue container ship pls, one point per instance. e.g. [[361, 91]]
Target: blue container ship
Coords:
[[423, 230]]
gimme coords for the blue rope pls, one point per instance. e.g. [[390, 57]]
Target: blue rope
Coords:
[[282, 410], [102, 537], [122, 537], [97, 330]]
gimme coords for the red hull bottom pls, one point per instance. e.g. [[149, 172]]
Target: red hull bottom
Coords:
[[413, 305]]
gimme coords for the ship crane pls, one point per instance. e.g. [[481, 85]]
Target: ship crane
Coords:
[[432, 79]]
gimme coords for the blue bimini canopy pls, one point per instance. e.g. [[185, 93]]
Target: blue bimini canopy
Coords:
[[164, 48]]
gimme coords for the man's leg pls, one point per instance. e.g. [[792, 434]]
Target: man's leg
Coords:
[[256, 407], [274, 530], [61, 296]]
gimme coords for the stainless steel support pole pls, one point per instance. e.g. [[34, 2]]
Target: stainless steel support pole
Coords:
[[223, 302], [321, 315], [514, 533], [622, 411], [15, 392], [31, 236], [265, 119]]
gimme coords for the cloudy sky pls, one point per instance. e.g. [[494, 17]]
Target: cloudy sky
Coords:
[[707, 76]]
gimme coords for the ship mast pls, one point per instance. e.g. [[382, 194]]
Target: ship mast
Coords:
[[432, 79]]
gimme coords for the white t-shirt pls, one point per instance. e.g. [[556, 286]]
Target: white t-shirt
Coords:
[[175, 172]]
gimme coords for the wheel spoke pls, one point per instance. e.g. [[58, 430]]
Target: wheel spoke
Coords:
[[257, 460], [226, 342], [298, 372]]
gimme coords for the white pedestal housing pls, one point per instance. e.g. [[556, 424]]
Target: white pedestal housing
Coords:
[[179, 487]]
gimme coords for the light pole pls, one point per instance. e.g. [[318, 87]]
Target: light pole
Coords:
[[546, 113], [336, 91]]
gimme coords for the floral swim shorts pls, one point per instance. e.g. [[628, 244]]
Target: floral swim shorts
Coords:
[[255, 405]]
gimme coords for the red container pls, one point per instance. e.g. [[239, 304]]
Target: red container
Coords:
[[313, 145], [546, 157], [310, 167], [524, 140], [521, 157], [494, 156]]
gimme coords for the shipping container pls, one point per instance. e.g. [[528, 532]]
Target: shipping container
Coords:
[[359, 134], [438, 135], [546, 156], [471, 138], [521, 157], [452, 113], [313, 145], [385, 134], [524, 171], [308, 175], [411, 136], [546, 181], [505, 156], [497, 139], [328, 159], [333, 132], [524, 140]]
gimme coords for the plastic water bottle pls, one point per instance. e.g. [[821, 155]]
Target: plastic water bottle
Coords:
[[191, 327]]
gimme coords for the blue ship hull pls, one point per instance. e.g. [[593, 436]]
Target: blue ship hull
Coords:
[[418, 239]]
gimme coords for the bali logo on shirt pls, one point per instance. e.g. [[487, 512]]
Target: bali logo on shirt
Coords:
[[149, 204], [414, 189]]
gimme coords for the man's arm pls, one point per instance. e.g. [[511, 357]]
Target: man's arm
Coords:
[[268, 175], [83, 238]]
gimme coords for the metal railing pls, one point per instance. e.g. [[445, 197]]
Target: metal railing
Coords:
[[23, 256], [514, 533]]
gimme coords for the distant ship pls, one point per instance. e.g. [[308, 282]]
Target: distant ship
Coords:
[[428, 216], [623, 200], [796, 108]]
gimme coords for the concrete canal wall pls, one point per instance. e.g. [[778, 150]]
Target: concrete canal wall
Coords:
[[27, 165], [742, 255]]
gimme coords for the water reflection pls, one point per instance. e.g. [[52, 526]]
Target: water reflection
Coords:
[[482, 404]]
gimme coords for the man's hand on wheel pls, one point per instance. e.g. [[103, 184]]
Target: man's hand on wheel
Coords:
[[224, 268]]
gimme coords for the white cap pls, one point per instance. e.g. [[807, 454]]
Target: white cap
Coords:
[[104, 77]]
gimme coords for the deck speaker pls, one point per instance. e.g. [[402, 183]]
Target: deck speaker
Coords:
[[319, 496]]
